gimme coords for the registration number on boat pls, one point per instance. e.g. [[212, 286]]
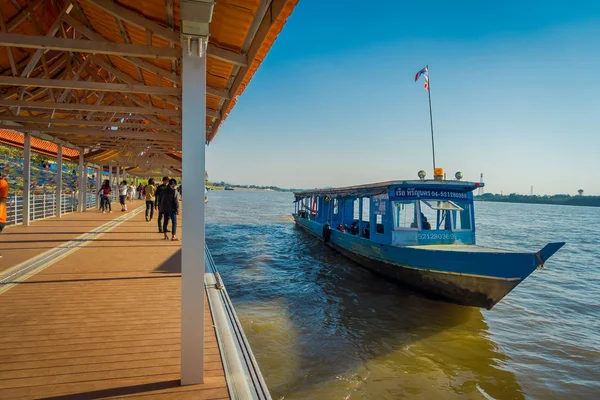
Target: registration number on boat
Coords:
[[436, 236]]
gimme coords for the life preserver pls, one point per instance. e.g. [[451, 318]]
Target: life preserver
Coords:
[[326, 233]]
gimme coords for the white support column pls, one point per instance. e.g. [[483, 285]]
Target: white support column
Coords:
[[80, 187], [26, 178], [84, 181], [110, 177], [98, 183], [193, 240], [59, 180]]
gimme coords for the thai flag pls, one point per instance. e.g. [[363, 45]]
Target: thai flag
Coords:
[[425, 73]]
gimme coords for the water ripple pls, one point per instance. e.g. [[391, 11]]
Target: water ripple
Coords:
[[323, 328]]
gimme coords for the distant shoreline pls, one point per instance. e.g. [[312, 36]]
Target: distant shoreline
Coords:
[[564, 200], [227, 186]]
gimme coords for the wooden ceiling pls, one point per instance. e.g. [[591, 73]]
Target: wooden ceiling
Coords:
[[105, 76]]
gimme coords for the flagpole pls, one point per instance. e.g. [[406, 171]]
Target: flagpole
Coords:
[[431, 117]]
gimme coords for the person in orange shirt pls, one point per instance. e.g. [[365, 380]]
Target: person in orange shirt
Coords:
[[3, 199]]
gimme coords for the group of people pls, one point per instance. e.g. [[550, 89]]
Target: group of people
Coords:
[[163, 198]]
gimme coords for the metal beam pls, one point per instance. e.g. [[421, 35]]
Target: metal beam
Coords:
[[173, 77], [138, 20], [85, 85], [17, 127], [117, 133], [33, 60], [130, 80], [22, 15], [226, 55], [224, 94], [107, 124], [86, 46], [87, 107], [213, 113]]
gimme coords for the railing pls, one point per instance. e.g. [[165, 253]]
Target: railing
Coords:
[[43, 205]]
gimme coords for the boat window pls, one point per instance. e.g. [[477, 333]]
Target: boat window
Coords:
[[366, 211], [379, 223], [335, 206], [404, 215], [435, 214], [462, 219], [356, 210], [442, 205]]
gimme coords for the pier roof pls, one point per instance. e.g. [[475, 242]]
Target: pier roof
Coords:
[[105, 76]]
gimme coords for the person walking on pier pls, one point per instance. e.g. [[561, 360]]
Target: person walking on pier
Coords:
[[131, 192], [149, 191], [168, 206], [165, 183], [123, 195], [104, 192], [3, 200]]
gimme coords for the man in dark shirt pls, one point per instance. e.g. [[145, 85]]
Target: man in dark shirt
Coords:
[[165, 183], [169, 208]]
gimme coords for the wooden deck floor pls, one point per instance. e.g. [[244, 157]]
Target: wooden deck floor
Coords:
[[104, 322], [20, 243]]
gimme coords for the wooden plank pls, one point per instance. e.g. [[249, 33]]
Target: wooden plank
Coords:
[[87, 46], [85, 85], [88, 107]]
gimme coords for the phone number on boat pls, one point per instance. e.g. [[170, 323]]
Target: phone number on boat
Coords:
[[434, 236]]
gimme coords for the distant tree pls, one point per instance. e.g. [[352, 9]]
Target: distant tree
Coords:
[[580, 191]]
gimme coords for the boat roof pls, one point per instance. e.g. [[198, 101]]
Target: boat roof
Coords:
[[373, 189]]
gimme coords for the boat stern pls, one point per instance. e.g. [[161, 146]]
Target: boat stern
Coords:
[[548, 251]]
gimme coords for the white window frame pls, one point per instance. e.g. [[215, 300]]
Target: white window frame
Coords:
[[417, 210]]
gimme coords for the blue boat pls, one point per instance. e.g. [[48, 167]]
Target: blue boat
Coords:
[[420, 233]]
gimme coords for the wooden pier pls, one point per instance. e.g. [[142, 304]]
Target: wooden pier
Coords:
[[102, 322]]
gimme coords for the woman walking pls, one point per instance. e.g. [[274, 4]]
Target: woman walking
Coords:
[[105, 197], [168, 205], [150, 199]]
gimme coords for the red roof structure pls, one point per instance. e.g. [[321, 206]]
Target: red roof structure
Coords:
[[16, 139]]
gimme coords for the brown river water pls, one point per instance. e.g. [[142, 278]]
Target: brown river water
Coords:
[[321, 327]]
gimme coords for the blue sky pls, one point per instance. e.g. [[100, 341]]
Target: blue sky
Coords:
[[515, 90]]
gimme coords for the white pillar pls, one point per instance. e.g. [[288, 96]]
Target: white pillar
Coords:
[[59, 180], [98, 184], [84, 181], [26, 178], [80, 187], [193, 240]]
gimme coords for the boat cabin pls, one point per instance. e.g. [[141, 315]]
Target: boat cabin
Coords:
[[398, 213]]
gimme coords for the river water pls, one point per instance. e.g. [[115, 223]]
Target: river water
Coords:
[[322, 327]]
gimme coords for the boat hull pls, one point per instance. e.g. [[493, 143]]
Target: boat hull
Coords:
[[454, 284], [461, 289]]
